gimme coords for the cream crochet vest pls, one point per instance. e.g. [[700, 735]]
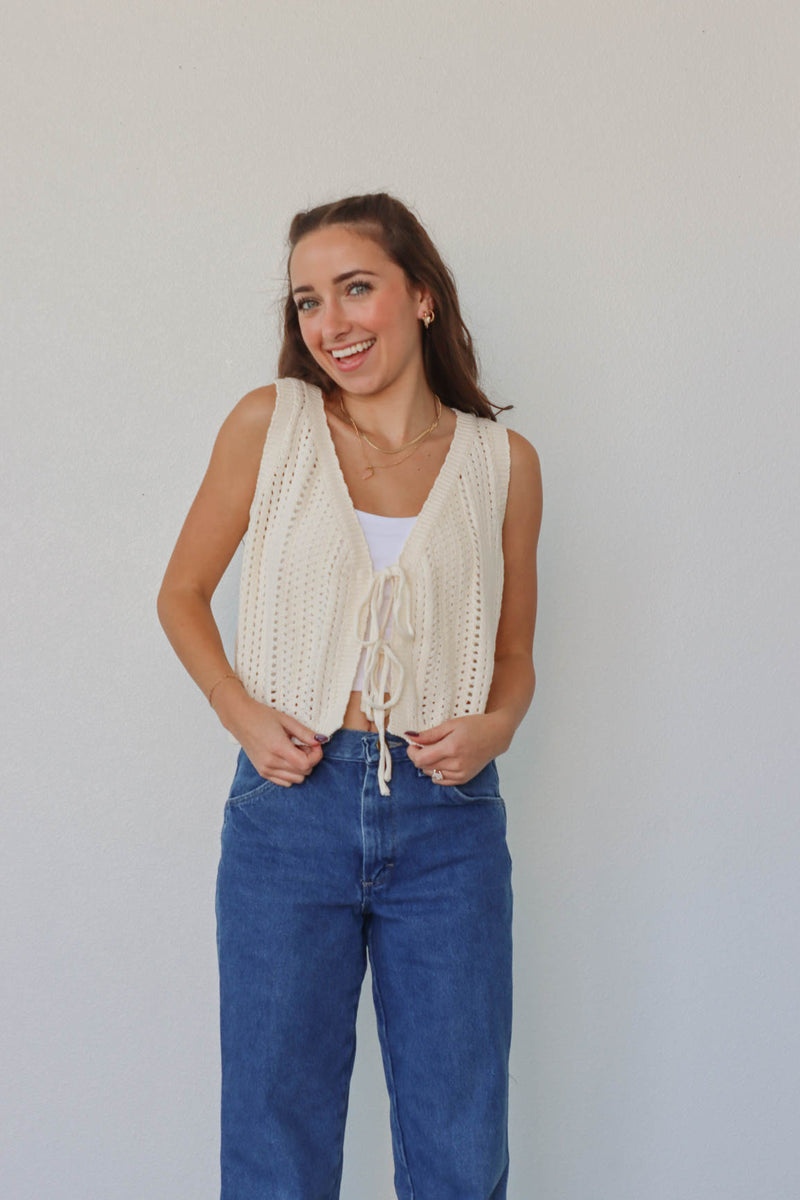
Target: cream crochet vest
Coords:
[[309, 598]]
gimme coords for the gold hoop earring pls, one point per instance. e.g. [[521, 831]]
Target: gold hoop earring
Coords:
[[428, 317]]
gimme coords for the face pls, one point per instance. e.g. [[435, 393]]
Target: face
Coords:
[[348, 294]]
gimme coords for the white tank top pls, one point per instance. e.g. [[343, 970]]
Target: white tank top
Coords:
[[385, 537]]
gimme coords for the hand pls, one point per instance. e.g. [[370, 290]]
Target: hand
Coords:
[[265, 734], [460, 747]]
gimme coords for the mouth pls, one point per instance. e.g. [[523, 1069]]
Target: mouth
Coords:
[[347, 358]]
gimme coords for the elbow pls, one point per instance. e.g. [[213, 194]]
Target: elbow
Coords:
[[165, 604], [173, 597], [161, 607]]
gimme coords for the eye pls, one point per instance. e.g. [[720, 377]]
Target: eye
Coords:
[[302, 305]]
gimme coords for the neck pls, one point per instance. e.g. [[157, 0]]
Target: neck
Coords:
[[390, 416]]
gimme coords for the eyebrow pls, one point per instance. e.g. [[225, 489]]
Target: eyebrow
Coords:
[[337, 279]]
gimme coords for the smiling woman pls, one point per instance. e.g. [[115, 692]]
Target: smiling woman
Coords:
[[363, 319], [383, 661]]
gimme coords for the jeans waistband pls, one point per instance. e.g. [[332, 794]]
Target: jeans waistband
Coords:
[[363, 745]]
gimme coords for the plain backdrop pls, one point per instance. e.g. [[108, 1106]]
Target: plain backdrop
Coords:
[[616, 189]]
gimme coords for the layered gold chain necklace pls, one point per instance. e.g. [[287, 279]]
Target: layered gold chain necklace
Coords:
[[415, 442]]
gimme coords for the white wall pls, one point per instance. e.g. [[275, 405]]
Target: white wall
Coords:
[[616, 189]]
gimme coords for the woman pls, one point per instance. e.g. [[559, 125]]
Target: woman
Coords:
[[382, 662]]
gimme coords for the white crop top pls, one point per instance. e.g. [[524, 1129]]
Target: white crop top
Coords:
[[385, 537]]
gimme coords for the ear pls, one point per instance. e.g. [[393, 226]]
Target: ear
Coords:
[[426, 303]]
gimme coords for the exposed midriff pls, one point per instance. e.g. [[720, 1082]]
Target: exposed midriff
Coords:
[[354, 718]]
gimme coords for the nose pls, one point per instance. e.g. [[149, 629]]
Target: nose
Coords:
[[334, 321]]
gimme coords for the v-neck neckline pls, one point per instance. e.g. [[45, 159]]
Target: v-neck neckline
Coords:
[[426, 518]]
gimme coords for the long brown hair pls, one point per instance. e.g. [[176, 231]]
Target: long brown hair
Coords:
[[448, 355]]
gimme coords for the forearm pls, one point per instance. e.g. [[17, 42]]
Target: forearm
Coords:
[[511, 693], [191, 630]]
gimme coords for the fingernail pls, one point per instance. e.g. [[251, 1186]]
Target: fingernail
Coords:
[[321, 737], [412, 733]]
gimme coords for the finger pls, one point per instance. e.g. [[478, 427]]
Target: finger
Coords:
[[300, 758], [303, 733], [438, 776], [285, 772], [449, 770], [286, 778]]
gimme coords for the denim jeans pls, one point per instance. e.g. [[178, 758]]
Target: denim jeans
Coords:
[[312, 878]]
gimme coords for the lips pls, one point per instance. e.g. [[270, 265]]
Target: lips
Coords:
[[351, 361]]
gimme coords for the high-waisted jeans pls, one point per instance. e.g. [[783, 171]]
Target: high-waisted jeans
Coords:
[[311, 878]]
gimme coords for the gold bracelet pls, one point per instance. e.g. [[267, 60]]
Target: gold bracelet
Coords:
[[230, 675]]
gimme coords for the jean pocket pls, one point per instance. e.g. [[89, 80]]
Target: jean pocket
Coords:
[[247, 783], [483, 788]]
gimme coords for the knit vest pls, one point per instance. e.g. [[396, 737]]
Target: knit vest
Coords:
[[309, 598]]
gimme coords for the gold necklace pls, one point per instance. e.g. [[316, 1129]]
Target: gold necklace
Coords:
[[370, 471], [425, 432]]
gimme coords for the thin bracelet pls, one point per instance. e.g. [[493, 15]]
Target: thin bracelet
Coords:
[[230, 675]]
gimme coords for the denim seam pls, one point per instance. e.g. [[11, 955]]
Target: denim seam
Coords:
[[390, 1069], [246, 797], [340, 1168], [361, 823], [463, 796]]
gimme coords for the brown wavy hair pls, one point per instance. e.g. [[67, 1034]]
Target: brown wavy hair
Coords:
[[449, 357]]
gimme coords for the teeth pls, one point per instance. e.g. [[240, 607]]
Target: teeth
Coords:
[[359, 346]]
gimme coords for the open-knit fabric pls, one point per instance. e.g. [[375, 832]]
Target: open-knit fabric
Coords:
[[310, 600]]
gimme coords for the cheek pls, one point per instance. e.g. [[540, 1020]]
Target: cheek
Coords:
[[386, 321], [310, 336]]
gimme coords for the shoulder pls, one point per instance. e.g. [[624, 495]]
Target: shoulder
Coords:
[[524, 502], [255, 409], [239, 445], [524, 466], [524, 456], [521, 451]]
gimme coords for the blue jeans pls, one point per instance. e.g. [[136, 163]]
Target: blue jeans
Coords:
[[311, 878]]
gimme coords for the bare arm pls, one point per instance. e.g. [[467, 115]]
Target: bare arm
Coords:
[[514, 679], [211, 533]]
